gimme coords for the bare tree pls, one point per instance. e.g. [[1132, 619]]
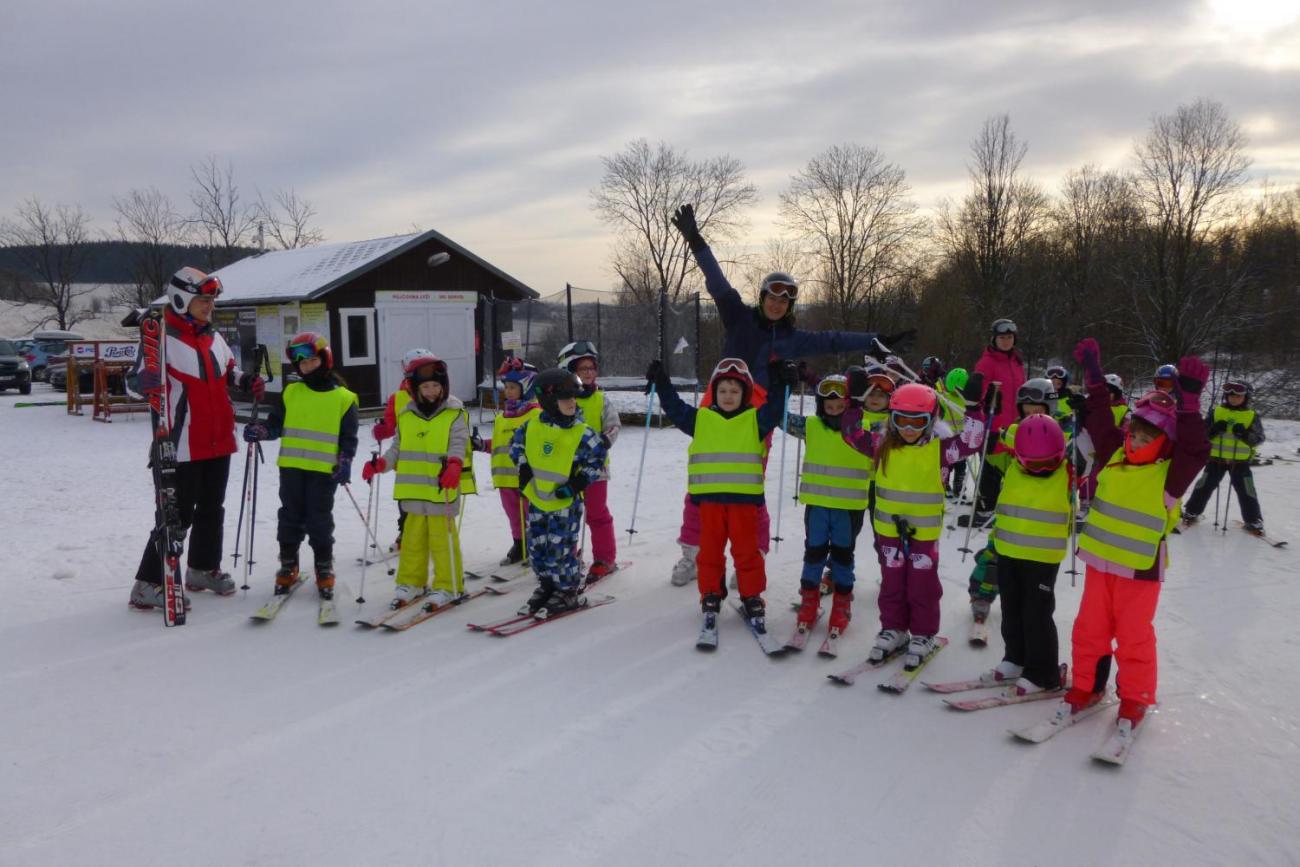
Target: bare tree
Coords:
[[147, 220], [786, 254], [1189, 165], [997, 222], [850, 206], [52, 246], [639, 191], [288, 220], [220, 216]]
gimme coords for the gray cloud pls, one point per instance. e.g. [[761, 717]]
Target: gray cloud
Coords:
[[487, 121]]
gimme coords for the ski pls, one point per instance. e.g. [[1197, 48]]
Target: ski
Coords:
[[965, 685], [1276, 543], [979, 633], [327, 614], [708, 637], [170, 536], [619, 566], [1114, 749], [1002, 699], [1052, 725], [799, 638], [523, 624], [384, 616], [765, 640], [510, 573], [831, 646], [849, 677], [428, 610], [899, 683], [268, 612]]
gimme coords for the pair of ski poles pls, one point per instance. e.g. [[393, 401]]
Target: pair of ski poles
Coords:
[[252, 458]]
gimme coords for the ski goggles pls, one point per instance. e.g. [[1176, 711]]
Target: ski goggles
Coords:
[[301, 351], [1234, 387], [1057, 373], [833, 386], [209, 287], [1004, 326], [1164, 382], [1041, 465], [912, 420], [732, 367], [788, 291], [881, 381], [1158, 399]]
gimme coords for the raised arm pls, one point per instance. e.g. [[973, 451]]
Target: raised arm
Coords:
[[731, 307], [681, 414]]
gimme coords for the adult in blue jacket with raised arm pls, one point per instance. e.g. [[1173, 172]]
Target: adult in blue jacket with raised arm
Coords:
[[756, 334]]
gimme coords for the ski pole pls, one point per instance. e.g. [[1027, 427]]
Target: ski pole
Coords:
[[1227, 499], [1074, 496], [640, 470], [1217, 485], [979, 475], [457, 579], [798, 448], [523, 526], [780, 485], [365, 561], [258, 460], [243, 501]]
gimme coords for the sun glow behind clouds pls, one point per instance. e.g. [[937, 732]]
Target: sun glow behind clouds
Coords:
[[1254, 17]]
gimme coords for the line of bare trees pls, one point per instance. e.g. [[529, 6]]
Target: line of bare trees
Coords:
[[1166, 255], [52, 242]]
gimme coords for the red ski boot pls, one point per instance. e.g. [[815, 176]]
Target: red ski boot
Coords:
[[841, 611], [810, 599]]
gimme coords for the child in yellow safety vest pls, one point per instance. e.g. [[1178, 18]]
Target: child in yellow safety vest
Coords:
[[559, 456], [517, 378], [725, 481], [1236, 430], [833, 486], [1147, 466], [316, 424], [908, 512], [430, 454]]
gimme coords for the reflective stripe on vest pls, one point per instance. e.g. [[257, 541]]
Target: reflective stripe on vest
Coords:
[[423, 446], [504, 472], [909, 486], [550, 451], [1226, 446], [834, 473], [1129, 534], [726, 454], [311, 427], [1033, 515]]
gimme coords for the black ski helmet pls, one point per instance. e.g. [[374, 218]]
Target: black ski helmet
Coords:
[[780, 284], [553, 385]]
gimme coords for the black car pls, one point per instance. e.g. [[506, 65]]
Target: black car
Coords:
[[57, 377], [14, 371]]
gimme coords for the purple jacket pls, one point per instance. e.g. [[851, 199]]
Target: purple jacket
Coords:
[[751, 336]]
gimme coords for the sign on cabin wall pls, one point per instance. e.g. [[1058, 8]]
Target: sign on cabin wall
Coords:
[[402, 296]]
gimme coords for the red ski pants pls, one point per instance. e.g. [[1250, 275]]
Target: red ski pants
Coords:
[[737, 523], [1122, 611]]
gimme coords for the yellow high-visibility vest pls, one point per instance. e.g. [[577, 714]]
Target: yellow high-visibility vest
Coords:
[[550, 451], [1033, 515], [834, 474], [909, 485], [726, 454], [1128, 518], [504, 472], [311, 426]]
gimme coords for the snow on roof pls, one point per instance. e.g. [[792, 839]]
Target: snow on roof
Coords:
[[310, 272]]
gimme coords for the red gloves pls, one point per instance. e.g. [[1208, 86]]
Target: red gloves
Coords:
[[373, 467], [253, 384], [449, 478], [383, 429]]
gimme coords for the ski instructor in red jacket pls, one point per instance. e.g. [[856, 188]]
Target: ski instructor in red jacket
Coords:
[[1003, 364], [200, 367]]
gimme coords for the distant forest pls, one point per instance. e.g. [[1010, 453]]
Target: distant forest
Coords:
[[113, 261]]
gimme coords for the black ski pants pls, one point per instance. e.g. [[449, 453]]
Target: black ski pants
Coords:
[[1028, 601], [306, 511], [200, 499], [1243, 484]]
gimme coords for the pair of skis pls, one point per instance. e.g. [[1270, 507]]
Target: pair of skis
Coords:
[[1114, 748], [326, 613], [802, 631], [169, 534], [420, 610], [523, 622], [897, 683], [708, 637], [1007, 695]]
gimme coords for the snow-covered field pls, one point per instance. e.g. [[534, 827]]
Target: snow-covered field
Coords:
[[602, 739]]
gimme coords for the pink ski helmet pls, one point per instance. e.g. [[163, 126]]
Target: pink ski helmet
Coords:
[[1159, 409], [1040, 443]]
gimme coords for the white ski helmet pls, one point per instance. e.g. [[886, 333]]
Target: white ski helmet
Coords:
[[570, 354], [188, 284]]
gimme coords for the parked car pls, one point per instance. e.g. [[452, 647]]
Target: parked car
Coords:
[[44, 344], [15, 372], [57, 376]]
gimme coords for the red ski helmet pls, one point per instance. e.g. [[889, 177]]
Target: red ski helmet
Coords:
[[1040, 443], [306, 344], [914, 398]]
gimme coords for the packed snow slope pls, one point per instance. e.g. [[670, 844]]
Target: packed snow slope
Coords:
[[605, 738]]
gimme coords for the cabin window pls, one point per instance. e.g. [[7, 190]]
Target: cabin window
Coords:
[[358, 326]]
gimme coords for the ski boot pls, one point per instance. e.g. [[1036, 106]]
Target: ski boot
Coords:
[[325, 578], [684, 569], [841, 611], [1078, 700], [1132, 711], [439, 599], [1254, 528], [599, 569], [146, 596], [286, 576], [1004, 673], [538, 600], [1190, 519], [809, 607], [404, 595], [560, 602], [920, 647], [978, 521], [755, 612], [199, 580], [888, 642], [514, 555]]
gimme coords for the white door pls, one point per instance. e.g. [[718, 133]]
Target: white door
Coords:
[[447, 330]]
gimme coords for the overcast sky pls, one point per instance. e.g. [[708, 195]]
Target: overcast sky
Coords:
[[487, 120]]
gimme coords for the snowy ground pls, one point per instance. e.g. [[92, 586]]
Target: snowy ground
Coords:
[[605, 738]]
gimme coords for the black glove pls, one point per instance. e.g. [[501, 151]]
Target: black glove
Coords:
[[475, 441], [525, 475], [342, 470], [900, 343], [606, 442], [684, 220], [858, 383], [1239, 430], [783, 372], [973, 391], [576, 484], [1218, 428], [879, 351], [1076, 401], [654, 375]]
